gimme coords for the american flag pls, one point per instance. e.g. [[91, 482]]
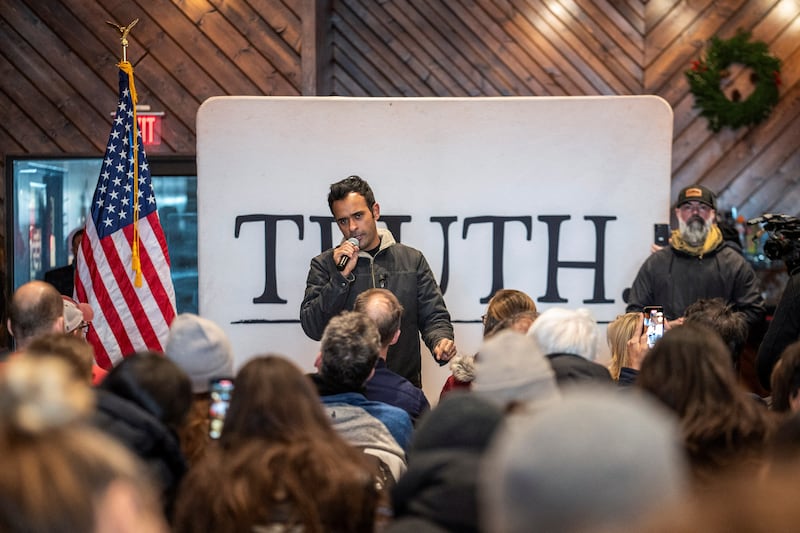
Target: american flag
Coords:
[[123, 264]]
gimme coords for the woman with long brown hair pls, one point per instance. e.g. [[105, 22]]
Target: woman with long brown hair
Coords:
[[690, 371], [279, 463]]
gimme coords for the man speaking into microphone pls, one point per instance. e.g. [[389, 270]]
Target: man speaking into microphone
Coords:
[[370, 257]]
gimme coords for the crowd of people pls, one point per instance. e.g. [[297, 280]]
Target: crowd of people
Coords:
[[531, 433]]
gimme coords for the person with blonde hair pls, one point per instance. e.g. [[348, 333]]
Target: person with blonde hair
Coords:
[[619, 332]]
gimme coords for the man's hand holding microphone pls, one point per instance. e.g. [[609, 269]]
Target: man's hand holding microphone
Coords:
[[346, 256]]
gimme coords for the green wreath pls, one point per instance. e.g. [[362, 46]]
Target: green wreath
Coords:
[[705, 76]]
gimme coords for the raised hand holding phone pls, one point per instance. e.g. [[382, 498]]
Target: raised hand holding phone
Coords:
[[637, 350]]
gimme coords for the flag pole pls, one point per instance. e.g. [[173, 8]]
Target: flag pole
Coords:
[[126, 67]]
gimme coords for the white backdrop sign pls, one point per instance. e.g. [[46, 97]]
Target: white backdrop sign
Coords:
[[553, 196]]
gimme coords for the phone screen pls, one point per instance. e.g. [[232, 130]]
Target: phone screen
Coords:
[[221, 391], [661, 234], [653, 324]]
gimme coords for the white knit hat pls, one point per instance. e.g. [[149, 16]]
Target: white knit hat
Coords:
[[201, 349]]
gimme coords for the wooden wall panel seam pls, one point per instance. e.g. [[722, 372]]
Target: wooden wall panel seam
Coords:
[[282, 19], [355, 71], [58, 90], [626, 36]]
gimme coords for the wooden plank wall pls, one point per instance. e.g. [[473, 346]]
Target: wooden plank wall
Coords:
[[587, 47], [58, 80]]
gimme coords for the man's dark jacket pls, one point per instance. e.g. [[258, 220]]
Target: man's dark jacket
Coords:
[[399, 268], [570, 368], [674, 280]]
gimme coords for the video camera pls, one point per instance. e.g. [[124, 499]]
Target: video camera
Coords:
[[784, 238]]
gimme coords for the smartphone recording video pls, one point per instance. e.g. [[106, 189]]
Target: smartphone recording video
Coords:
[[661, 234], [221, 391], [653, 324]]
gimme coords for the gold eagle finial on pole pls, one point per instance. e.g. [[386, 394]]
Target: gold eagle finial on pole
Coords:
[[124, 31]]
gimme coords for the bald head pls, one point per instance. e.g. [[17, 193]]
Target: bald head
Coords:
[[385, 310], [36, 309]]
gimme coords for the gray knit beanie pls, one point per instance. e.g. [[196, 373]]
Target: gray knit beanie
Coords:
[[510, 368], [596, 459], [201, 349]]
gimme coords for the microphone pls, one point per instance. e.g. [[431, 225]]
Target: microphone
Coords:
[[345, 258]]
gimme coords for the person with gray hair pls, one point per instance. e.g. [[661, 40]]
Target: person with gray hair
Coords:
[[597, 459], [348, 353], [570, 340], [385, 385]]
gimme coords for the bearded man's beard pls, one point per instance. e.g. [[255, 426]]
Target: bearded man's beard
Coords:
[[695, 230]]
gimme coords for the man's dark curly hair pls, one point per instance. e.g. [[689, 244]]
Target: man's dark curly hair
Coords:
[[341, 189]]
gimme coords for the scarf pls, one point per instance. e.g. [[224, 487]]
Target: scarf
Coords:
[[713, 240]]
